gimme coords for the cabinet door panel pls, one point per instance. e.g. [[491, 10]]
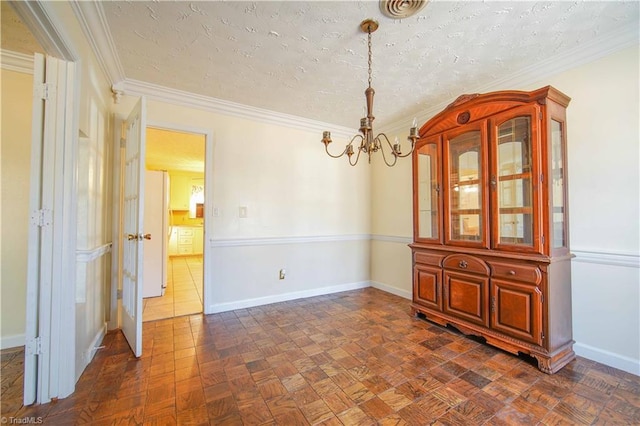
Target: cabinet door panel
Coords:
[[466, 296], [427, 286], [465, 198], [517, 310], [515, 180], [427, 191]]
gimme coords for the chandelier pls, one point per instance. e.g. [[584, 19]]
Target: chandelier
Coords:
[[369, 143]]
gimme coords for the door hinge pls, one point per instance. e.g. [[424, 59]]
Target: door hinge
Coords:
[[33, 346], [493, 303], [42, 217], [542, 239], [45, 91], [542, 335], [119, 294], [541, 177], [540, 115]]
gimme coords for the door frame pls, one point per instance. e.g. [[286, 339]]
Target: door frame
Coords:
[[115, 307], [55, 371]]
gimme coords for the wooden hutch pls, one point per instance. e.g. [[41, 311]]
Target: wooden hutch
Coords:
[[491, 238]]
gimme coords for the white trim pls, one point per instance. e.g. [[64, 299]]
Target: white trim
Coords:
[[16, 61], [625, 363], [266, 241], [266, 300], [90, 255], [46, 28], [391, 239], [13, 341], [393, 290], [629, 260], [89, 352], [96, 30], [602, 46], [132, 87]]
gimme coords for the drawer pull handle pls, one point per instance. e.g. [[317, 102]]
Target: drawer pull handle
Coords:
[[512, 272], [463, 264]]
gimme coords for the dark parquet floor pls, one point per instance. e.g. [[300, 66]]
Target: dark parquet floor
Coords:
[[352, 358]]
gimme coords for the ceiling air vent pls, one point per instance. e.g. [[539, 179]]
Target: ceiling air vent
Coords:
[[399, 9]]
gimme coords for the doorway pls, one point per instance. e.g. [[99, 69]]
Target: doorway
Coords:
[[178, 159]]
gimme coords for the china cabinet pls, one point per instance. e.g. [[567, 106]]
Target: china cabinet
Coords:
[[491, 246]]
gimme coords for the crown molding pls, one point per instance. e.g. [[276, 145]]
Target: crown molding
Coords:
[[603, 46], [94, 25], [207, 103], [15, 61]]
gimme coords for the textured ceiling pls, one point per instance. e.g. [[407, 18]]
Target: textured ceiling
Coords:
[[309, 58], [14, 35], [172, 150]]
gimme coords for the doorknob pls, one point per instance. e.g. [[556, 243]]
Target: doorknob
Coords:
[[147, 236], [132, 237]]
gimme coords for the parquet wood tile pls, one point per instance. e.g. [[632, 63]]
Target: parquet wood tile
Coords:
[[353, 358]]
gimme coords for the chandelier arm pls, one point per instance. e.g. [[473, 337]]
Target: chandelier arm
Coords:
[[326, 148], [359, 149], [384, 157], [386, 139]]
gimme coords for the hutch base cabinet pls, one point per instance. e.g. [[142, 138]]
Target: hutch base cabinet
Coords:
[[491, 247]]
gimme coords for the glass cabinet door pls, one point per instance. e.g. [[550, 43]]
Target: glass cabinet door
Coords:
[[558, 212], [465, 214], [428, 191], [511, 180]]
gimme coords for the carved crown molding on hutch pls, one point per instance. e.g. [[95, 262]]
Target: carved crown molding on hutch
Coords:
[[622, 38], [15, 61]]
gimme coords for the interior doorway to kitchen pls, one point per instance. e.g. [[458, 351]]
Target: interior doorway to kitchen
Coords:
[[174, 199]]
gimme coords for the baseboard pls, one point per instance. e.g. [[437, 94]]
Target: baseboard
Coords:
[[611, 359], [90, 351], [13, 341], [284, 297], [393, 290]]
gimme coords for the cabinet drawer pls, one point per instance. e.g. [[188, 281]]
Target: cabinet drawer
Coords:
[[428, 258], [185, 249], [510, 271], [466, 263], [186, 232], [185, 240]]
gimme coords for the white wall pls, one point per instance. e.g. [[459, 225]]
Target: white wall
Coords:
[[17, 90], [306, 213], [603, 125], [604, 201]]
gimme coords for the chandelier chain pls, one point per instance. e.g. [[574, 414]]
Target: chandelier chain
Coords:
[[369, 46]]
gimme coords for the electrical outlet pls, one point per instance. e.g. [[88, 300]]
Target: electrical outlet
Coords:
[[282, 274]]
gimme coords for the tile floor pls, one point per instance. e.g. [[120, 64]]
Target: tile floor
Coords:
[[183, 295], [352, 358]]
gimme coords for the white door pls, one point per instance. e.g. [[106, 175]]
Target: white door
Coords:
[[45, 376], [133, 194], [155, 224]]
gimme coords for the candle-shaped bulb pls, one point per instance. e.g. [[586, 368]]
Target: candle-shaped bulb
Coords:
[[415, 122]]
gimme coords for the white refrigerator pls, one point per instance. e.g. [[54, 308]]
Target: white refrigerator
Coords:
[[156, 223]]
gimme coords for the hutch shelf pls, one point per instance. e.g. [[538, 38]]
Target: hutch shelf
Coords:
[[491, 244]]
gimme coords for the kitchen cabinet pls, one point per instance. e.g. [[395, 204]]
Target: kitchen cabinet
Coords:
[[186, 240], [180, 192], [491, 247]]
